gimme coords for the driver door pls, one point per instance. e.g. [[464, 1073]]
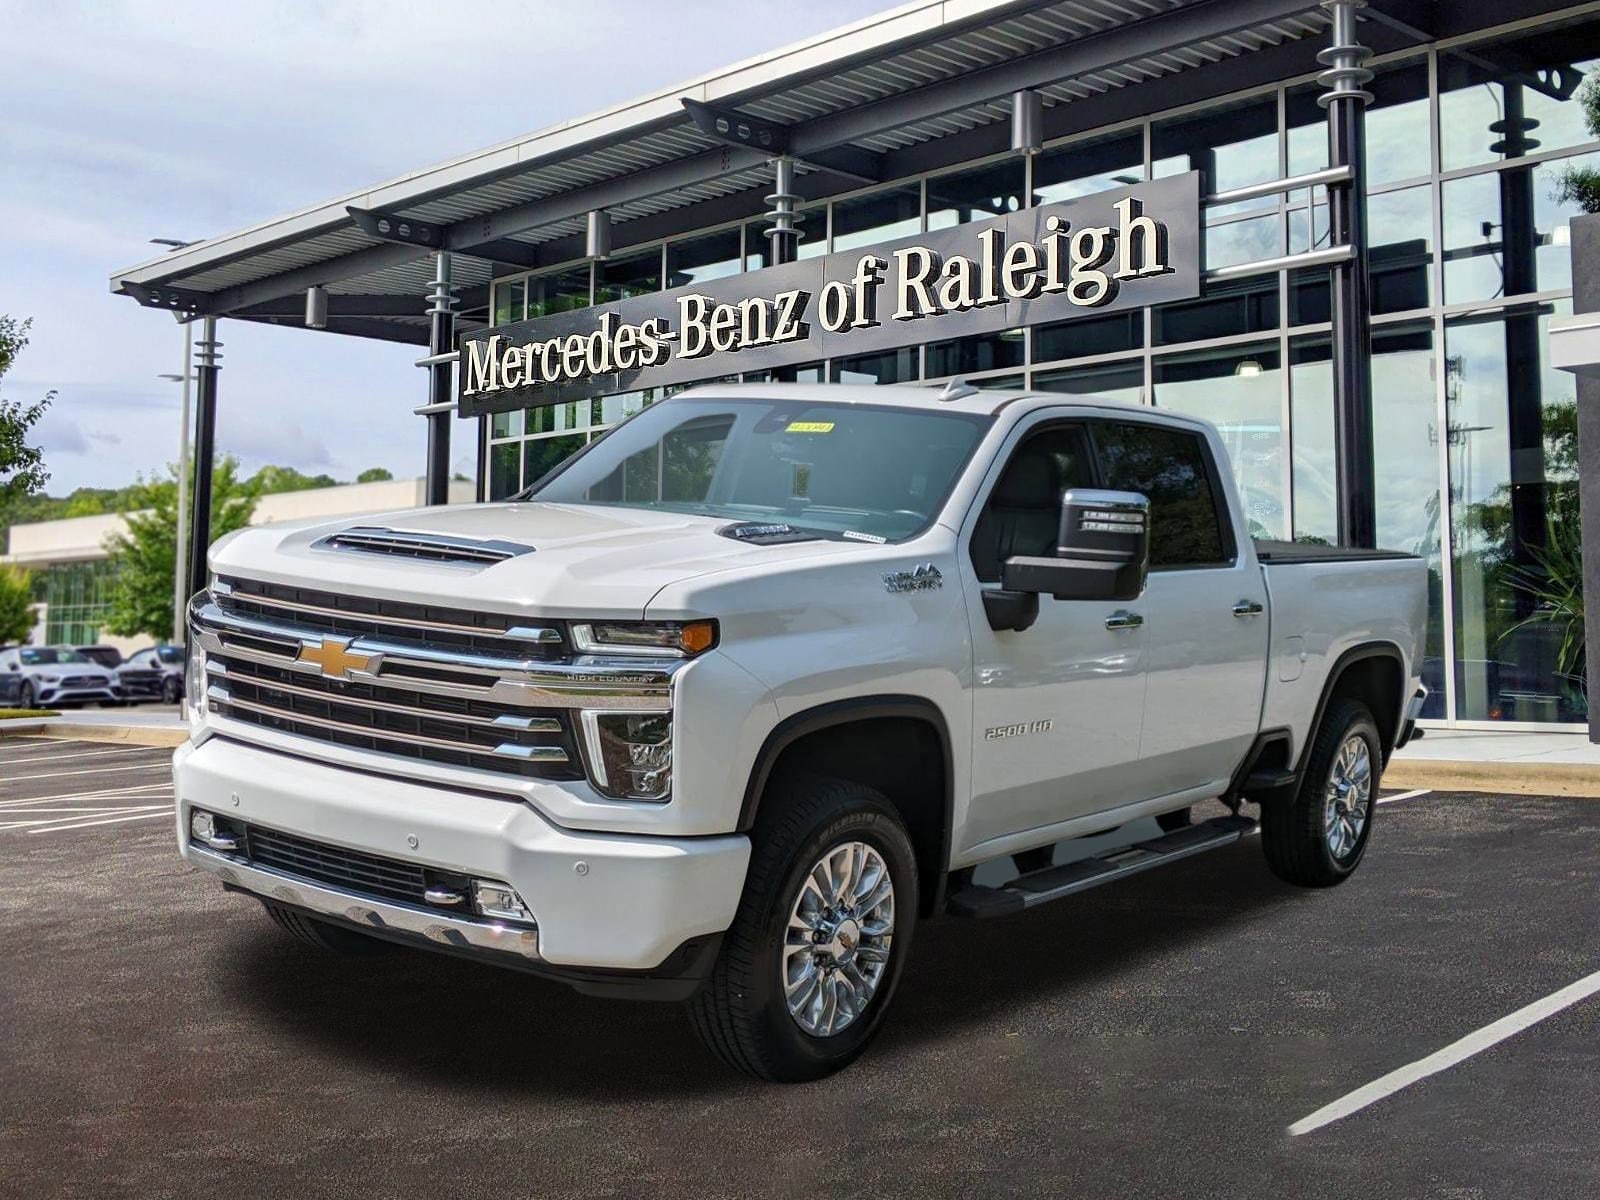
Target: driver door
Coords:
[[1058, 708]]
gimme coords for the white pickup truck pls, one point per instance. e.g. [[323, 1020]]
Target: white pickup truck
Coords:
[[719, 709]]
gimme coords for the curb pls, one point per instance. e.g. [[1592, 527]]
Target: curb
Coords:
[[125, 735], [1513, 778]]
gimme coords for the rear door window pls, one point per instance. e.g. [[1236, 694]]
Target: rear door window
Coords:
[[1172, 468]]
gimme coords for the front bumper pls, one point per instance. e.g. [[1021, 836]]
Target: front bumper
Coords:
[[601, 902], [71, 695]]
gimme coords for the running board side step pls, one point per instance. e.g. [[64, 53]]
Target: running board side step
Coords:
[[1053, 883]]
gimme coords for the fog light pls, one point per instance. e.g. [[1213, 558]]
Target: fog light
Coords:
[[202, 826], [499, 900]]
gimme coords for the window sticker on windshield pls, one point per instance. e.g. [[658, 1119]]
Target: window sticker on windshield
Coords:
[[809, 427]]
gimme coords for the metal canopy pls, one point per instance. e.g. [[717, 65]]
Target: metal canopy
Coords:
[[921, 86]]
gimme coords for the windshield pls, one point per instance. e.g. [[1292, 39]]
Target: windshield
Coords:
[[876, 472], [38, 656]]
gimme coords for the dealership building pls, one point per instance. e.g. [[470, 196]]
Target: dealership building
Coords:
[[1336, 229]]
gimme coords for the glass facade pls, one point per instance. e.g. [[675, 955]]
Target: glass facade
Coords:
[[1475, 434], [79, 600]]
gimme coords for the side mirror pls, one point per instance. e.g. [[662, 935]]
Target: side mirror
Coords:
[[1102, 550]]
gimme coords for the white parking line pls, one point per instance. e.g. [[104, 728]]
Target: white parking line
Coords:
[[166, 812], [1458, 1051], [138, 790], [55, 758], [1411, 795], [156, 766], [69, 818]]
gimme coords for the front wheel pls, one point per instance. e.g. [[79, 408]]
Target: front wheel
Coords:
[[811, 962], [171, 690], [1318, 838], [25, 697]]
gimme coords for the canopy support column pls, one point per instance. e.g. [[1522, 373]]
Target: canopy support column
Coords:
[[207, 359], [441, 381]]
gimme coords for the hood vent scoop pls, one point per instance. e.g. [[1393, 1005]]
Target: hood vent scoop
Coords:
[[755, 534], [430, 547]]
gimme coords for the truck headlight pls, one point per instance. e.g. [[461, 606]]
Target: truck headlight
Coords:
[[630, 753], [194, 678], [676, 639]]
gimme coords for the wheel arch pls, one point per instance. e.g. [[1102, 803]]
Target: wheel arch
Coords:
[[840, 729], [1375, 674]]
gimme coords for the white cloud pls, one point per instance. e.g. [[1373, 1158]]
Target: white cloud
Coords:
[[132, 119]]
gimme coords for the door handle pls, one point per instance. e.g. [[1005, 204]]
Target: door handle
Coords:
[[1248, 608], [1124, 620]]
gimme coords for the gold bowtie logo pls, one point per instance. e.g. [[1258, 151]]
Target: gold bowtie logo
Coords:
[[334, 657]]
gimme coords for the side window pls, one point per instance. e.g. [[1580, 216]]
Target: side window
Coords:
[[1022, 515], [1170, 467]]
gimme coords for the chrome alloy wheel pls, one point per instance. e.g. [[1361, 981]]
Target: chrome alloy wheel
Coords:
[[1346, 805], [836, 947]]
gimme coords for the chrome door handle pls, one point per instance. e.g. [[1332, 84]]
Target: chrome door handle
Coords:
[[1124, 620], [1248, 608]]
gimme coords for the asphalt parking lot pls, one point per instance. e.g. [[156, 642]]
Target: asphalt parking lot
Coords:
[[1152, 1038]]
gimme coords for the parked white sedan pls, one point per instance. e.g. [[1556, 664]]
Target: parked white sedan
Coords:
[[57, 675]]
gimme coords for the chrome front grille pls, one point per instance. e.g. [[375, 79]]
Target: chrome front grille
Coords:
[[411, 682]]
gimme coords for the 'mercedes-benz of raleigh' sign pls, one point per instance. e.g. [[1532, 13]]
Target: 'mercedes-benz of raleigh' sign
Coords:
[[1116, 249]]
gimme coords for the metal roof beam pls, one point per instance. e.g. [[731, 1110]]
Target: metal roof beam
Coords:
[[288, 283], [427, 236], [745, 131], [1098, 52], [379, 305]]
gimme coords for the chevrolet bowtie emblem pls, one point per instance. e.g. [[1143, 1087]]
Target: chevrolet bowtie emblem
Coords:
[[334, 656]]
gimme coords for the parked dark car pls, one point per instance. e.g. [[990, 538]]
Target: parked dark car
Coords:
[[167, 662], [108, 657]]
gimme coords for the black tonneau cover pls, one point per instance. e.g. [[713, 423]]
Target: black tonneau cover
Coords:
[[1278, 553]]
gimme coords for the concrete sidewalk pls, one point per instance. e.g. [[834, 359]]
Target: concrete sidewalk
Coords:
[[150, 725], [1545, 764]]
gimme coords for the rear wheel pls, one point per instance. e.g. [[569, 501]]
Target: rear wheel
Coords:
[[812, 959], [1318, 838], [335, 939]]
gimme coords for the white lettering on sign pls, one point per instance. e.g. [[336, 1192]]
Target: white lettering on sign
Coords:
[[1086, 265]]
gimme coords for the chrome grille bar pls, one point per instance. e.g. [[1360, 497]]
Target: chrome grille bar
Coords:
[[522, 633], [544, 754]]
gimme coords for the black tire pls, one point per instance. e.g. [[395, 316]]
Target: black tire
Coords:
[[1171, 822], [1294, 832], [25, 697], [171, 691], [335, 939], [742, 1014]]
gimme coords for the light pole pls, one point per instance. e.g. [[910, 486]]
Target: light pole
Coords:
[[179, 600]]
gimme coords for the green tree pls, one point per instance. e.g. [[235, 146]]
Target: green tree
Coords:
[[145, 557], [375, 475], [1581, 185], [269, 481], [22, 470], [16, 605]]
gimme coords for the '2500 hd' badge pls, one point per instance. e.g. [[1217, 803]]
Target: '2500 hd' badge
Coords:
[[923, 579]]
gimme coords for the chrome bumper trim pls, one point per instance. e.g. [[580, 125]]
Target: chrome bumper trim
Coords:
[[452, 932]]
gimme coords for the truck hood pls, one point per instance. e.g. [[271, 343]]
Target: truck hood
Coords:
[[586, 560]]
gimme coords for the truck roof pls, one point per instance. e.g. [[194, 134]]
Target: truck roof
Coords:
[[928, 397]]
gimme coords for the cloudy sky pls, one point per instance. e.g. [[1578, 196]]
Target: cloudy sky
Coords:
[[122, 121]]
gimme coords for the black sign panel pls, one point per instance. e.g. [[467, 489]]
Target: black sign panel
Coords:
[[1117, 249]]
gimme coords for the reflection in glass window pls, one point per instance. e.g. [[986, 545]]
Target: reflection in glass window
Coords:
[[1234, 242], [1514, 520], [505, 469], [608, 410], [556, 418], [696, 260], [629, 275], [1239, 390], [1089, 335], [1405, 460], [892, 366], [1396, 124], [1400, 255], [988, 191], [1225, 309], [1506, 233], [1083, 168], [1232, 147], [558, 293], [1114, 381], [1508, 97], [877, 217], [509, 298], [543, 455], [1168, 467], [505, 424], [981, 352]]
